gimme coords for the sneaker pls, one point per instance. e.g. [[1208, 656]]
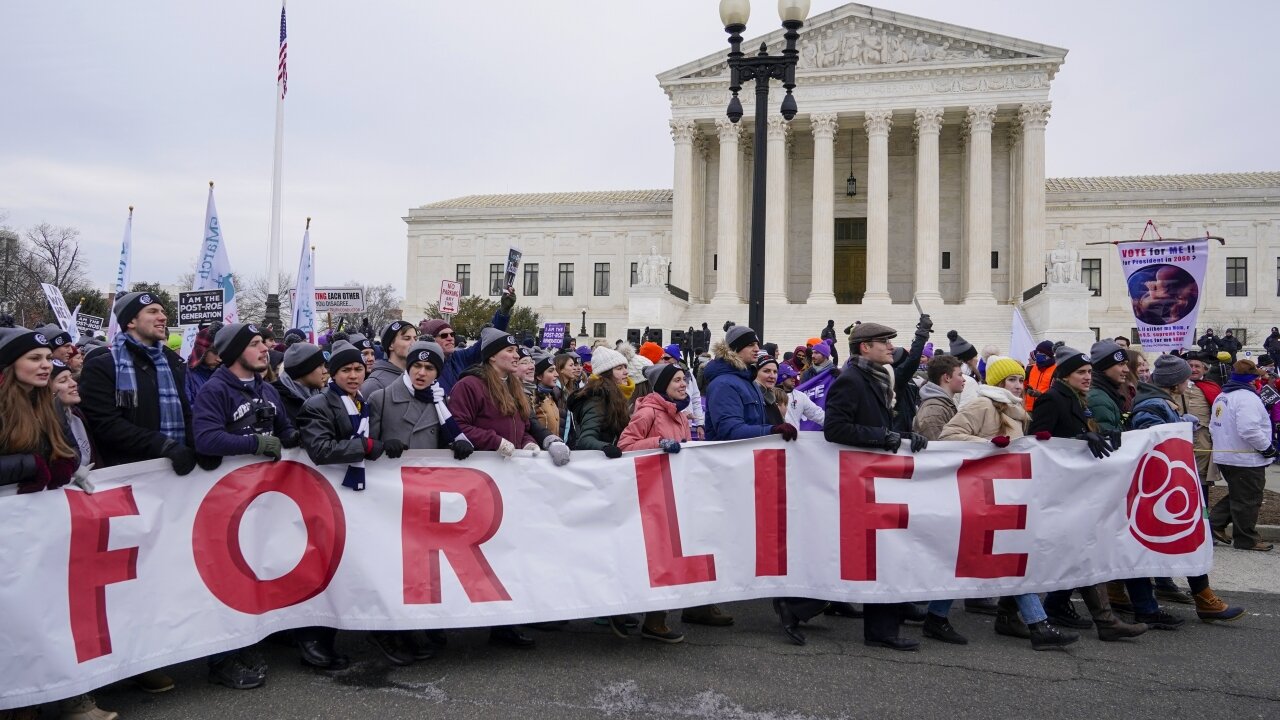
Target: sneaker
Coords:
[[154, 682], [232, 672], [1066, 616], [83, 707], [1210, 607], [1159, 620], [665, 635]]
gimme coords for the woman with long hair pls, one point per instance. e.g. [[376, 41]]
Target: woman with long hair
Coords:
[[599, 409], [66, 391], [547, 396], [493, 412], [34, 452]]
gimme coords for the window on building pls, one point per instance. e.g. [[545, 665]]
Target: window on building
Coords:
[[1237, 277], [495, 278], [635, 273], [946, 261], [463, 276], [715, 262], [566, 280], [995, 259], [1134, 338], [601, 283], [531, 279], [1097, 333], [1091, 273], [1278, 277], [599, 330]]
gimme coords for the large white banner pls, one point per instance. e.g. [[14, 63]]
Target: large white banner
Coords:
[[154, 569], [1166, 284]]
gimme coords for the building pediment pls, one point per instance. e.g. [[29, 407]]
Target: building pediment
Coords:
[[857, 39]]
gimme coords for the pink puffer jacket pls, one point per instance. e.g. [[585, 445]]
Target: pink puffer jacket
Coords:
[[654, 418]]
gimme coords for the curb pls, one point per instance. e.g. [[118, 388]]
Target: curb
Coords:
[[1270, 533]]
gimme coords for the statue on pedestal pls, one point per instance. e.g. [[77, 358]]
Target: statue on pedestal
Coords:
[[651, 271], [1063, 265]]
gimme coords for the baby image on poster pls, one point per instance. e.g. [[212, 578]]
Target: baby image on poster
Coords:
[[1162, 294]]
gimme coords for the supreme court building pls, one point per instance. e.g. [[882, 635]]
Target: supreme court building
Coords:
[[944, 129]]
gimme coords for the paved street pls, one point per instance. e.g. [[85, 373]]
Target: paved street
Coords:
[[750, 672]]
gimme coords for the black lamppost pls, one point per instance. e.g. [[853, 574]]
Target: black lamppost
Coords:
[[583, 331], [762, 68]]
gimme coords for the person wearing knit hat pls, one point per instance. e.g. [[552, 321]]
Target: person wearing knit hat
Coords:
[[1041, 367], [305, 374], [1109, 394], [203, 361], [59, 341], [129, 306], [604, 360], [221, 425], [367, 351], [294, 335], [672, 352], [234, 339], [396, 337], [651, 351], [743, 340], [820, 361], [999, 368], [967, 354], [1243, 446]]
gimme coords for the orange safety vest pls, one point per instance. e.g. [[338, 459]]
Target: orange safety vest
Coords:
[[1040, 380]]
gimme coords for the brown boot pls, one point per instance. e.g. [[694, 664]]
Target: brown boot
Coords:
[[1109, 626], [1118, 596], [706, 615], [82, 707], [1210, 607]]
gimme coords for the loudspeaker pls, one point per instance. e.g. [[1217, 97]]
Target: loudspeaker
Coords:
[[655, 336], [678, 337], [633, 336], [699, 340]]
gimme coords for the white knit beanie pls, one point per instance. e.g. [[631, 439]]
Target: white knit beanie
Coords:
[[604, 359]]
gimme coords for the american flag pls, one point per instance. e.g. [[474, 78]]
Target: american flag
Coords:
[[282, 71]]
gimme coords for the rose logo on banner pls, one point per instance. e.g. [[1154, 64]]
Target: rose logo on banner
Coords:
[[1164, 500]]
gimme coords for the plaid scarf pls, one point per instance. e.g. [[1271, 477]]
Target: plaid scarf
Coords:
[[433, 395], [171, 422], [358, 413]]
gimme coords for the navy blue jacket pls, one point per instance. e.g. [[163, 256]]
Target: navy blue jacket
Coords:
[[224, 418], [460, 360], [735, 405]]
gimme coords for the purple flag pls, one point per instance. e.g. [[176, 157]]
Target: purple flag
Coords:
[[816, 388]]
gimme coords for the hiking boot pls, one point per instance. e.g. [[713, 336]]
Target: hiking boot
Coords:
[[1065, 615], [1044, 636], [154, 682], [982, 606], [1117, 629], [1010, 625], [389, 644], [1159, 620], [1210, 607], [1118, 594], [1171, 593], [232, 672], [82, 707], [706, 615], [939, 628]]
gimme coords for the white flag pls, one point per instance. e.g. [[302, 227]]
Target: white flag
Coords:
[[1021, 343], [304, 300], [122, 272], [213, 271]]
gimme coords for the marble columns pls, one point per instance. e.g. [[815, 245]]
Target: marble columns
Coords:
[[729, 218], [978, 213], [928, 258], [822, 290], [877, 124], [682, 210], [775, 224], [1034, 117]]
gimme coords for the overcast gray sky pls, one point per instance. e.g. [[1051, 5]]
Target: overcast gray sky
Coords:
[[396, 103]]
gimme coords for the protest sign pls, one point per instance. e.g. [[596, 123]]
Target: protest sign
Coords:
[[200, 306], [450, 297], [553, 334], [1165, 281], [89, 324], [60, 310], [513, 266]]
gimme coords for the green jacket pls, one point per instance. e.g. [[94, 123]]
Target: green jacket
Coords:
[[1106, 404]]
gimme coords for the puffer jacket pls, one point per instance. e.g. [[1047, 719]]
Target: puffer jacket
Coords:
[[735, 407], [1241, 424], [589, 429], [1060, 412], [1038, 380], [936, 408], [1152, 406], [995, 412], [654, 418], [1108, 404]]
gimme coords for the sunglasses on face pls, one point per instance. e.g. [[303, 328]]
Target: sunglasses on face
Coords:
[[668, 358], [444, 335]]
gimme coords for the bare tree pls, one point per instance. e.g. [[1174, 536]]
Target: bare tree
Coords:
[[381, 306], [251, 299], [54, 253]]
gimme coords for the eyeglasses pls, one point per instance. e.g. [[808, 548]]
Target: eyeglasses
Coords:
[[444, 335], [668, 358]]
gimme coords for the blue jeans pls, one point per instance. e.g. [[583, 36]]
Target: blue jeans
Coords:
[[1028, 606], [1143, 595]]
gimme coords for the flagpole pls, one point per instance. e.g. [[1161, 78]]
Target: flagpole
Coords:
[[272, 318], [123, 273]]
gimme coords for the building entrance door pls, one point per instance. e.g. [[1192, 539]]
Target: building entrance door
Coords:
[[850, 266]]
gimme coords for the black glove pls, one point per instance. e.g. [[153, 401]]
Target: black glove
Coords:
[[375, 450], [786, 430], [1097, 444], [182, 457], [1113, 437], [394, 448], [612, 452], [1269, 452], [925, 325], [268, 446], [462, 449], [508, 301], [848, 329], [292, 440], [208, 462], [892, 441], [918, 441], [669, 446]]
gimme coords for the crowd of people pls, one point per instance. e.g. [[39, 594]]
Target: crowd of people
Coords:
[[352, 399]]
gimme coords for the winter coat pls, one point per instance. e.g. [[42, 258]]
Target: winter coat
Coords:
[[547, 411], [814, 371], [462, 359], [1210, 389], [125, 435], [94, 456], [735, 407], [196, 378], [995, 412], [1208, 343], [479, 418], [384, 373], [801, 407], [859, 410], [1194, 402], [1240, 423], [1230, 344], [1060, 411], [326, 431], [654, 418], [224, 420], [1038, 380], [293, 395], [1107, 404], [1152, 406], [589, 429], [394, 413], [906, 391], [17, 468], [936, 409]]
